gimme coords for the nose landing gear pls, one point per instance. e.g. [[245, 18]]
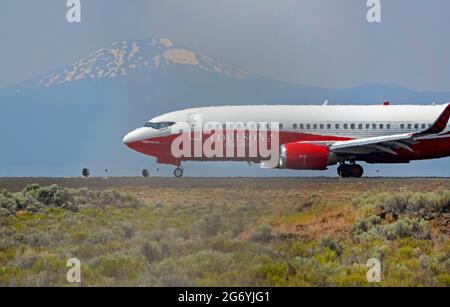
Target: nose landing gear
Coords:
[[178, 172], [350, 170]]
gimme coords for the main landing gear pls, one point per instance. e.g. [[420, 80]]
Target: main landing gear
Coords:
[[350, 170], [178, 172]]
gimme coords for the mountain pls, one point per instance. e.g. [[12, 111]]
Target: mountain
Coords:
[[75, 117], [123, 58]]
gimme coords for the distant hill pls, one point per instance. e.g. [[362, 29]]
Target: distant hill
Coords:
[[76, 117]]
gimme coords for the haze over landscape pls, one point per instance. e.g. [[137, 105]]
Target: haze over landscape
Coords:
[[69, 92]]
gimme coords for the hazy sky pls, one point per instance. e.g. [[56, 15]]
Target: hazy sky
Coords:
[[319, 42]]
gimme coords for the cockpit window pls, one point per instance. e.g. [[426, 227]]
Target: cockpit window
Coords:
[[159, 126]]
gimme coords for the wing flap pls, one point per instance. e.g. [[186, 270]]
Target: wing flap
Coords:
[[370, 141]]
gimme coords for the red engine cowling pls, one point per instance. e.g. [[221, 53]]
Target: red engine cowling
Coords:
[[306, 156]]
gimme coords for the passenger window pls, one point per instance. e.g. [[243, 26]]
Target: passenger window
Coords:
[[416, 126], [328, 126], [294, 126], [367, 126], [352, 126], [402, 126], [345, 126], [374, 126], [388, 126], [409, 126], [315, 126], [381, 126], [301, 126], [321, 126], [423, 126], [308, 126], [360, 126], [280, 126], [336, 126]]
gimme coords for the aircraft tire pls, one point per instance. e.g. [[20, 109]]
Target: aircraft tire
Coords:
[[356, 171], [178, 172], [344, 170]]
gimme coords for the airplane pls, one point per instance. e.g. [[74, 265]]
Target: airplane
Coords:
[[309, 137]]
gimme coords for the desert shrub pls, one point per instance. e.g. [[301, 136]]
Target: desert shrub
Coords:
[[7, 242], [4, 211], [439, 201], [223, 243], [156, 234], [439, 262], [211, 224], [354, 276], [334, 245], [364, 225], [426, 204], [204, 263], [112, 197], [152, 251], [52, 196], [117, 266], [308, 202], [271, 274], [405, 228], [311, 272], [100, 236], [371, 228], [263, 233], [397, 203], [35, 198], [9, 203], [128, 230], [237, 226], [25, 260], [38, 239]]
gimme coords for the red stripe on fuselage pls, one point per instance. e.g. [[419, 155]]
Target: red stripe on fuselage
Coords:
[[160, 148]]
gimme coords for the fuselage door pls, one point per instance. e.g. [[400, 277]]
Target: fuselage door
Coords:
[[196, 123]]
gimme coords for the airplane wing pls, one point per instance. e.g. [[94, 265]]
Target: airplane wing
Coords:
[[389, 143]]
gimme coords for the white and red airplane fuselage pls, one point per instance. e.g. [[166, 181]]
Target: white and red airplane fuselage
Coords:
[[308, 136]]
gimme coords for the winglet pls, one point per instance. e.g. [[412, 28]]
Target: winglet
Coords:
[[440, 123]]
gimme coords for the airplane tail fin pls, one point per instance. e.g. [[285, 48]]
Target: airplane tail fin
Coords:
[[439, 125]]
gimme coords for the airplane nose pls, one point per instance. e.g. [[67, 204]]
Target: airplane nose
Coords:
[[131, 137], [127, 138], [135, 136]]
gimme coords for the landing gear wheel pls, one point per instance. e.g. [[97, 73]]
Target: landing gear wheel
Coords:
[[344, 170], [178, 172], [350, 170], [356, 171]]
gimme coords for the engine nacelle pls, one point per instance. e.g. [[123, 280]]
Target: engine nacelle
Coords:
[[306, 156]]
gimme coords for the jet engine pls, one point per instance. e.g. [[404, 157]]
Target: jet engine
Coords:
[[306, 156]]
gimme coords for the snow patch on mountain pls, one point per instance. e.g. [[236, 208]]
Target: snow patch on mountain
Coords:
[[123, 57], [166, 42], [180, 56]]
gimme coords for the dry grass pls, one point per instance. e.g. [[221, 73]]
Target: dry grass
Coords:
[[230, 232]]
